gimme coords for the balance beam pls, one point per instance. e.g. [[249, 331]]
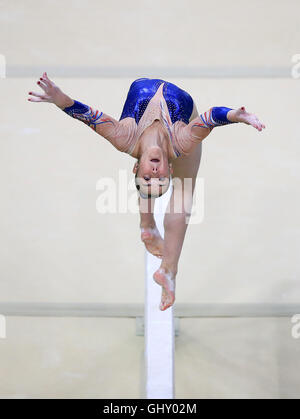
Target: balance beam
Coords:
[[159, 325]]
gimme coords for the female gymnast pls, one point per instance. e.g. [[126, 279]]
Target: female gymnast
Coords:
[[160, 127]]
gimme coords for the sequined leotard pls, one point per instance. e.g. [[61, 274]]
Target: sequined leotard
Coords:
[[148, 100]]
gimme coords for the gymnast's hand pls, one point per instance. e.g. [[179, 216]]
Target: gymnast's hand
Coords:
[[241, 115], [51, 94]]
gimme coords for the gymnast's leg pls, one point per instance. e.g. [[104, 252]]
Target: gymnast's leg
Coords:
[[175, 223], [149, 232]]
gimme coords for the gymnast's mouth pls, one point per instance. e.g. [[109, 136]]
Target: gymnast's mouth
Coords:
[[155, 160]]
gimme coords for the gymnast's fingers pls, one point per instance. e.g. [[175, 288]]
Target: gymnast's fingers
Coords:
[[42, 85], [45, 81], [36, 99], [262, 126], [45, 76], [41, 95]]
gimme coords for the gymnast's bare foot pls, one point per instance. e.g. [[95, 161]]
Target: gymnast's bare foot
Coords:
[[152, 240], [241, 115], [166, 279]]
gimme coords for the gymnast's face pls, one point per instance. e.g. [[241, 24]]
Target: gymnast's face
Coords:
[[153, 173]]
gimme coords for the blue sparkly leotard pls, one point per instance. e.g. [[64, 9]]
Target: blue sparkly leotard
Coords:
[[177, 106], [180, 103]]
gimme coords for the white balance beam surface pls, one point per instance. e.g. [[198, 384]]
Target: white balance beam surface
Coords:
[[159, 325]]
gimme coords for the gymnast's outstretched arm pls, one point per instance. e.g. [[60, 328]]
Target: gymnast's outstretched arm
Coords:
[[200, 127], [114, 131]]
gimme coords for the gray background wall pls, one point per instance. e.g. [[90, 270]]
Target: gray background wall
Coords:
[[57, 248]]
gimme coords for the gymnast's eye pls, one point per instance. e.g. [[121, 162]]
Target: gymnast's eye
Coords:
[[162, 179], [147, 178]]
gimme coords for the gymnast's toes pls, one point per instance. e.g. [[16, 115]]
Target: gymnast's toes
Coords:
[[166, 279], [167, 300], [153, 241]]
